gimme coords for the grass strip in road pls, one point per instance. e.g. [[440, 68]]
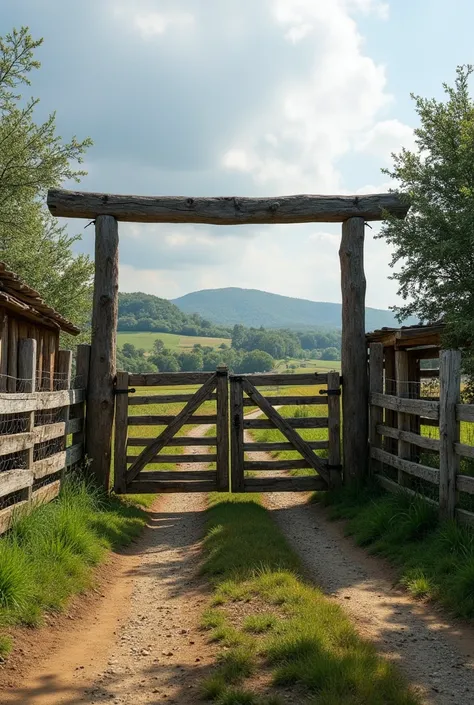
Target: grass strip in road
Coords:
[[435, 559], [275, 628], [49, 554]]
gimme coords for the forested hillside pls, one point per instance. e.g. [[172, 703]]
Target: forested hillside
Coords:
[[260, 308]]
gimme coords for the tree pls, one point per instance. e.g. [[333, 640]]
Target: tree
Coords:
[[158, 346], [255, 361], [434, 245], [33, 158], [330, 354]]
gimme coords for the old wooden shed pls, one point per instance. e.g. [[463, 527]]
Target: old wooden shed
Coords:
[[24, 314]]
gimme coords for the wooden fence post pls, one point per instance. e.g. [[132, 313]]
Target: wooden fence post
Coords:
[[376, 412], [237, 434], [64, 370], [27, 372], [449, 396], [100, 396], [222, 429], [81, 381], [121, 433], [404, 420], [13, 375], [390, 444], [334, 429], [354, 352]]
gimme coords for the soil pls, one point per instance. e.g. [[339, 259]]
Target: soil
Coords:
[[136, 639]]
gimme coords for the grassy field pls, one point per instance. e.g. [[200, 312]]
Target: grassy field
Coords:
[[172, 342], [277, 630], [320, 366]]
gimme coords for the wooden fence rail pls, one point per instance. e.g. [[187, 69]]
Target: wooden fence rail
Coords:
[[41, 433], [449, 481]]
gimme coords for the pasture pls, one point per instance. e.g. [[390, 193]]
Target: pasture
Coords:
[[145, 340]]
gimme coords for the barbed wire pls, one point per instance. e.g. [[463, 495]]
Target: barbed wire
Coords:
[[45, 382]]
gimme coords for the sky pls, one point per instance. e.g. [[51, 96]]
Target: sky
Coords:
[[241, 97]]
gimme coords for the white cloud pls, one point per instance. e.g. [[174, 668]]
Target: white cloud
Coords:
[[386, 137], [151, 24]]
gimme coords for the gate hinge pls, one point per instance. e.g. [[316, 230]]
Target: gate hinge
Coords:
[[330, 392], [131, 390]]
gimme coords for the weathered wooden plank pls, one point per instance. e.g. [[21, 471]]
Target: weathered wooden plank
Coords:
[[414, 438], [169, 379], [395, 488], [390, 445], [39, 401], [48, 466], [81, 380], [237, 434], [63, 369], [334, 430], [449, 461], [27, 373], [178, 459], [15, 480], [375, 387], [74, 425], [177, 475], [465, 450], [403, 420], [46, 493], [10, 513], [100, 393], [292, 401], [316, 422], [465, 483], [12, 355], [428, 374], [164, 399], [16, 442], [121, 433], [165, 420], [464, 517], [285, 484], [228, 210], [158, 487], [74, 454], [49, 432], [429, 422], [276, 465], [261, 446], [355, 411], [426, 409], [3, 350], [174, 426], [177, 441], [286, 428], [465, 412], [286, 380], [222, 429], [422, 471]]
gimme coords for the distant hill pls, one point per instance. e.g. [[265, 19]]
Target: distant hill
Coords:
[[252, 307]]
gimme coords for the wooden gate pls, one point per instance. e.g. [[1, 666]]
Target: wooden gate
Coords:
[[132, 473], [245, 466]]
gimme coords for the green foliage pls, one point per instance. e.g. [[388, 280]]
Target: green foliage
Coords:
[[301, 640], [132, 359], [434, 245], [48, 554], [435, 559], [33, 159]]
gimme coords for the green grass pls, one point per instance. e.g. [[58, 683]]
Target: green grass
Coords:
[[49, 554], [145, 340], [268, 620], [435, 560]]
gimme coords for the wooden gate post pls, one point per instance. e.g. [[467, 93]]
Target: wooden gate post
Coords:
[[237, 433], [222, 429], [403, 420], [376, 386], [354, 352], [27, 373], [449, 396], [121, 433], [100, 396]]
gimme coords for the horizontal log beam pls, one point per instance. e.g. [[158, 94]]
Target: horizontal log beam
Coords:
[[284, 484], [177, 459], [427, 409], [266, 465], [164, 399], [395, 488], [268, 447], [15, 480], [18, 403], [319, 422], [165, 420], [409, 437], [176, 441], [428, 374], [142, 487], [465, 450], [464, 483], [168, 379], [230, 210], [291, 401], [465, 412], [177, 475], [422, 471], [285, 380]]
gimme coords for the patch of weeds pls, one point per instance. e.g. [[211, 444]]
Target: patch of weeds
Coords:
[[259, 623], [6, 646]]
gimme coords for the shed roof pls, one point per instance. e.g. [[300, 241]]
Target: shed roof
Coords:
[[408, 336], [18, 296]]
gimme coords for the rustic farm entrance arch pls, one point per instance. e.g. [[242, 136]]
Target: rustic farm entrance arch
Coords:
[[107, 209]]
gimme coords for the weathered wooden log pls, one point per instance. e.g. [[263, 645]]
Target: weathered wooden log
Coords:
[[449, 429], [177, 441], [100, 393], [285, 484], [237, 434], [121, 433], [293, 401], [164, 420], [355, 412], [413, 438], [230, 210], [222, 429], [422, 471], [376, 386], [403, 392], [420, 407], [264, 446], [334, 430]]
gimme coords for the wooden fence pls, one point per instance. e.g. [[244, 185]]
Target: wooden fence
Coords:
[[400, 446], [41, 432]]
